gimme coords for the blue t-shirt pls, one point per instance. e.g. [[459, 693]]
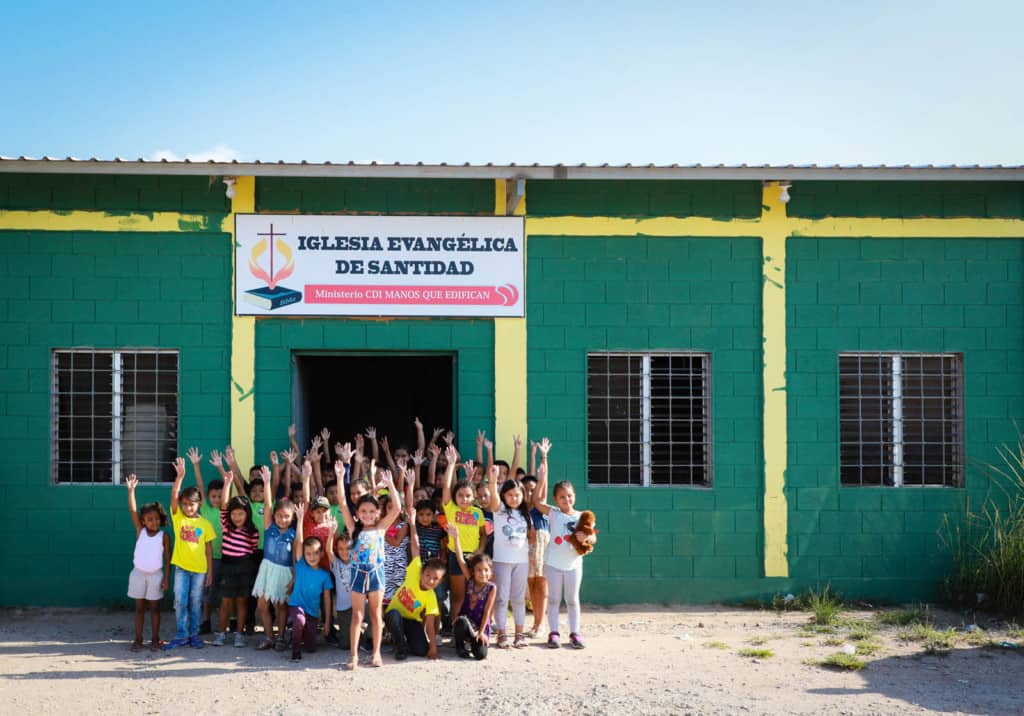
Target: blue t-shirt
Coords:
[[277, 545], [540, 520], [309, 587]]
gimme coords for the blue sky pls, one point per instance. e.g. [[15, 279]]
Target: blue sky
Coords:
[[665, 82]]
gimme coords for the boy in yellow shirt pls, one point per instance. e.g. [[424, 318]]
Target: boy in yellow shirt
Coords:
[[192, 559], [412, 616]]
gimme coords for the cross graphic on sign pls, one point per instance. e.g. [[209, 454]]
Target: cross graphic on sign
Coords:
[[271, 234]]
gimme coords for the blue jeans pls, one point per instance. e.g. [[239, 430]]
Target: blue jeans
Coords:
[[188, 601]]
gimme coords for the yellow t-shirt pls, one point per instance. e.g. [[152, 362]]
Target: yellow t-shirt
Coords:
[[410, 600], [468, 523], [190, 537]]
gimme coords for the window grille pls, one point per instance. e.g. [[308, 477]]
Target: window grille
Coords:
[[648, 419], [901, 419], [114, 413]]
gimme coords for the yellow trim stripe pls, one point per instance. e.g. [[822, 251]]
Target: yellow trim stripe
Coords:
[[243, 345], [162, 221], [509, 362], [774, 231]]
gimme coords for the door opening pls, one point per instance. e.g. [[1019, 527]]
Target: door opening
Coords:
[[348, 392]]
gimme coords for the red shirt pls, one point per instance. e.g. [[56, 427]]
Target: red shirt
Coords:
[[311, 529]]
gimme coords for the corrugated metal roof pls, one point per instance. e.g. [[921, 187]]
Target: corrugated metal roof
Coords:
[[118, 165]]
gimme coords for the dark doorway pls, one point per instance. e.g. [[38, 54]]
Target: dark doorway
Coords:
[[347, 392]]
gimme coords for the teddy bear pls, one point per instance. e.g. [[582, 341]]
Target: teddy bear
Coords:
[[584, 524]]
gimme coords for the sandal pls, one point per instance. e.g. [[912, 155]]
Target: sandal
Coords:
[[520, 641], [265, 645], [504, 642], [136, 646]]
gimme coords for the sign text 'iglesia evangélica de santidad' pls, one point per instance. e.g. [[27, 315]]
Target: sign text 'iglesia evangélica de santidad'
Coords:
[[302, 265]]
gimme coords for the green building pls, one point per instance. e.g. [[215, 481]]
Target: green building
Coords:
[[759, 378]]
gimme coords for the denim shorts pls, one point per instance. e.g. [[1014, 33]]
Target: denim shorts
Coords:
[[366, 580], [454, 569]]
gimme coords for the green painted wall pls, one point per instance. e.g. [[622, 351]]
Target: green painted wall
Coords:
[[961, 296], [276, 339], [597, 294], [721, 200], [393, 196], [907, 199], [114, 193], [105, 290]]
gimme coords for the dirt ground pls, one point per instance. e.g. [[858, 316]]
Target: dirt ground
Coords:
[[640, 659]]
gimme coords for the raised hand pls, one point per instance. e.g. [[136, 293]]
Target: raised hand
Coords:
[[449, 438], [179, 468], [360, 442], [371, 432], [339, 469], [384, 443], [434, 449], [468, 467], [325, 434], [344, 452], [131, 482], [289, 455], [330, 522], [291, 431], [307, 469], [493, 473], [388, 480], [437, 432], [316, 442], [417, 424], [489, 445], [229, 454], [481, 435], [517, 441], [215, 459], [273, 458], [194, 455], [265, 474], [417, 458], [544, 447], [451, 455], [300, 510]]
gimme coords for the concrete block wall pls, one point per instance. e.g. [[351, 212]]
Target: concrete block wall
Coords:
[[669, 294], [102, 290], [915, 295]]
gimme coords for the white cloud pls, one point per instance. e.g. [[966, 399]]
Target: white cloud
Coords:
[[219, 153]]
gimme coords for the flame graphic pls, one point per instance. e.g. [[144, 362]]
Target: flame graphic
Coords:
[[272, 280]]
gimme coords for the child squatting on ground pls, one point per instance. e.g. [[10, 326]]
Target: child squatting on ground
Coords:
[[422, 540]]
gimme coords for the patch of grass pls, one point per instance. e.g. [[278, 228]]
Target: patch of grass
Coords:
[[716, 645], [818, 629], [807, 643], [833, 641], [845, 662], [868, 647], [861, 631], [1015, 632], [757, 653], [825, 604], [905, 617], [761, 639], [935, 641]]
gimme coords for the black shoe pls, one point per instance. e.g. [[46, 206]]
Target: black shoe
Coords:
[[205, 628], [332, 637], [296, 656], [401, 654]]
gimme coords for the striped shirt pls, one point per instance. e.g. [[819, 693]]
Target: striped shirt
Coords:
[[430, 541], [237, 543]]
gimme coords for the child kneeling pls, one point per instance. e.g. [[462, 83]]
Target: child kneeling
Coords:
[[412, 616]]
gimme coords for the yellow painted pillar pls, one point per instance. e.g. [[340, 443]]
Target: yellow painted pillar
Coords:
[[243, 346], [775, 230], [509, 361]]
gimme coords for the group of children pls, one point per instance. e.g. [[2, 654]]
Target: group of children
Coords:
[[378, 550]]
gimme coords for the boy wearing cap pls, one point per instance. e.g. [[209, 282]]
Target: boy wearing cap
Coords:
[[315, 524]]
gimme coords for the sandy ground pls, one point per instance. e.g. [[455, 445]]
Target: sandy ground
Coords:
[[648, 660]]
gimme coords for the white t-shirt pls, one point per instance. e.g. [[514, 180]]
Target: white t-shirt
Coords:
[[511, 545], [342, 572], [560, 553]]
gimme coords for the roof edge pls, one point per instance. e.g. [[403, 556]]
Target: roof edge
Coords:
[[47, 165]]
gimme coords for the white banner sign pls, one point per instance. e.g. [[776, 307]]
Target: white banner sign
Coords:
[[289, 265]]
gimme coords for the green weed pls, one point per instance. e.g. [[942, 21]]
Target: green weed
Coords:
[[716, 645], [757, 653]]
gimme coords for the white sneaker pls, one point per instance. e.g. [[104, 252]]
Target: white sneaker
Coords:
[[218, 638]]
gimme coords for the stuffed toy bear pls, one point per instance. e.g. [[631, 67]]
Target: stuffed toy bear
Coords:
[[584, 524]]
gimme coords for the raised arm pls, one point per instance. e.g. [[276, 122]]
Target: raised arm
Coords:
[[421, 441], [218, 462], [410, 517], [300, 514], [339, 472], [132, 482], [275, 479], [292, 442], [517, 443], [314, 457], [494, 503], [540, 494], [389, 459], [417, 461], [194, 457], [179, 475], [490, 455], [396, 504], [268, 499], [480, 437], [307, 473], [371, 434], [452, 455], [533, 458], [236, 471]]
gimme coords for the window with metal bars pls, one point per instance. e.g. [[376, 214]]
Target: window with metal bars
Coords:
[[648, 419], [901, 419], [114, 413]]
